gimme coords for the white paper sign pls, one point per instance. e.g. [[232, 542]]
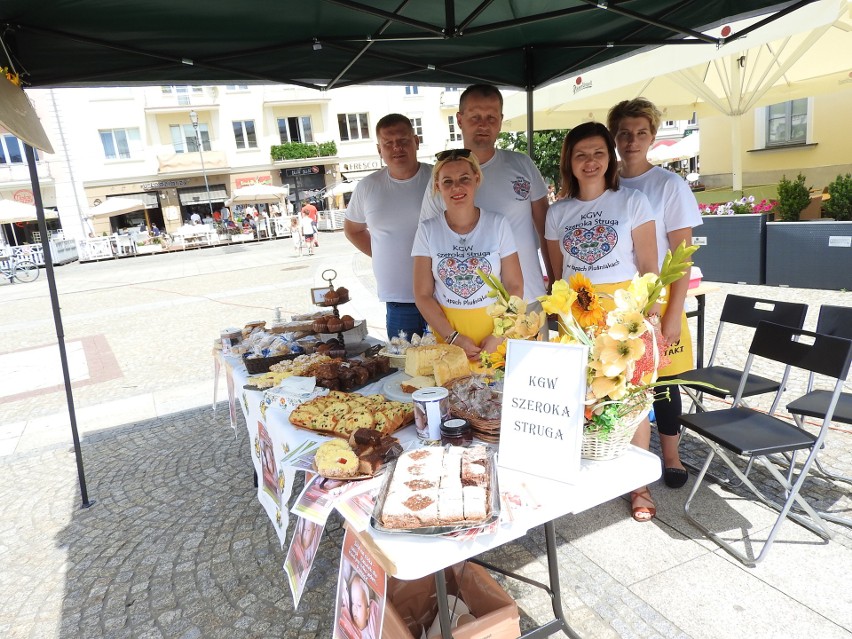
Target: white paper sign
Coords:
[[541, 429]]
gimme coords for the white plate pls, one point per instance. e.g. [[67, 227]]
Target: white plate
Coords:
[[392, 389]]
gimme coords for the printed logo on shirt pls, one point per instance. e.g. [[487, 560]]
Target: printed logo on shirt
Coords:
[[459, 275], [521, 187], [590, 244]]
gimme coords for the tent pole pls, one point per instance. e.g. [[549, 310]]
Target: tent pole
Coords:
[[57, 319], [529, 87]]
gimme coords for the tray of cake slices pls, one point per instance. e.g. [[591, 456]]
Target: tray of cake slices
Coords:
[[434, 491]]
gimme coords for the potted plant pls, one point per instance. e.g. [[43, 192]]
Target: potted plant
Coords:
[[813, 253], [732, 240], [151, 245]]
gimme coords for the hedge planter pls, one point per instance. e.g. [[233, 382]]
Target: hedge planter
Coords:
[[146, 249], [809, 254], [732, 248]]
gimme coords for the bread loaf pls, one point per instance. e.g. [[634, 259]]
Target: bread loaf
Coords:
[[451, 365], [420, 360]]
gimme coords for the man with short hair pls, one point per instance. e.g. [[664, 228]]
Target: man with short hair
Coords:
[[511, 184], [382, 217]]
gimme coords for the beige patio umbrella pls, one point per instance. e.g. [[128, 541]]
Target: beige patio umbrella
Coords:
[[257, 194], [116, 206], [12, 212], [803, 54]]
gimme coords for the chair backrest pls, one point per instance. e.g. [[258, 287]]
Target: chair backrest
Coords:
[[835, 320], [750, 311], [819, 353]]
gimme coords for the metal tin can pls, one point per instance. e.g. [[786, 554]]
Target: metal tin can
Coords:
[[431, 409], [230, 338]]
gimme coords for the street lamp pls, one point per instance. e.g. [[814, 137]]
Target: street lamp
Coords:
[[193, 117]]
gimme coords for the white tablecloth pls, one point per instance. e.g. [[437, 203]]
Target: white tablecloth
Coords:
[[411, 556]]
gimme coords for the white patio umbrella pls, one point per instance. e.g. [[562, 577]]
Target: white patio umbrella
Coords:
[[800, 55], [683, 149], [116, 206], [258, 193], [341, 188], [12, 211]]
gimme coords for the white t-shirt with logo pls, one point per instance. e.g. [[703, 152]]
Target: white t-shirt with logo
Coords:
[[511, 182], [596, 238], [391, 210], [673, 203], [455, 257]]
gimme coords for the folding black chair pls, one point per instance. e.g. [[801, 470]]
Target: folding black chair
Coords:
[[833, 320], [747, 432], [748, 312]]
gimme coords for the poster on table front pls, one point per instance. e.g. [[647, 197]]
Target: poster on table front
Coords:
[[541, 429], [361, 590], [301, 554]]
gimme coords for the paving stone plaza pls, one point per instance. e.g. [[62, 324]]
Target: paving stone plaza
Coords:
[[175, 544]]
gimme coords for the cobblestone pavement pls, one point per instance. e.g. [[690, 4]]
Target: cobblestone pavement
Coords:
[[175, 544]]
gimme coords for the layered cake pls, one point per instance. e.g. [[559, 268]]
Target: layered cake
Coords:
[[438, 487]]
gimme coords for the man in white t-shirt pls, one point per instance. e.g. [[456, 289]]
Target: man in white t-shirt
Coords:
[[382, 216], [512, 184]]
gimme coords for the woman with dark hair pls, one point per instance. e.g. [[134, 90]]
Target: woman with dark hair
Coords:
[[598, 229], [601, 234], [634, 124]]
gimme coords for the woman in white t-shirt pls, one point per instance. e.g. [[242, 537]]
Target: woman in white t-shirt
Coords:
[[449, 248], [603, 231], [598, 229], [634, 124]]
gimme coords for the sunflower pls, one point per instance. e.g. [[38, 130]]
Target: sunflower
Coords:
[[586, 308]]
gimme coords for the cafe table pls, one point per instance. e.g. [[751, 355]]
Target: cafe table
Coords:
[[408, 556]]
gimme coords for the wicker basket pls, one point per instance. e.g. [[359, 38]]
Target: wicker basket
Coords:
[[603, 447], [485, 429]]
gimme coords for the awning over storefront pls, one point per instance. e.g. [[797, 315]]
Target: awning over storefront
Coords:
[[198, 194]]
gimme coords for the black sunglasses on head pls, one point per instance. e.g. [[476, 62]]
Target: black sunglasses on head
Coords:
[[452, 154]]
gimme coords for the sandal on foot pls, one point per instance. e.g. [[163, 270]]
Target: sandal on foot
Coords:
[[675, 477], [642, 511]]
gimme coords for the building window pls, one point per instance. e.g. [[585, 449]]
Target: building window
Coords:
[[693, 120], [12, 150], [120, 144], [353, 126], [451, 88], [455, 134], [236, 87], [787, 122], [668, 124], [417, 125], [296, 129], [411, 90], [244, 134], [183, 138], [183, 92]]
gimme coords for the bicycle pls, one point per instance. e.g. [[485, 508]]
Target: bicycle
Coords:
[[22, 270]]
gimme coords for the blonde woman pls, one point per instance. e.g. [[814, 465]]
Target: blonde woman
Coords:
[[634, 124], [449, 248]]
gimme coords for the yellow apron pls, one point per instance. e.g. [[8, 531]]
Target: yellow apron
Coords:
[[680, 352], [474, 323]]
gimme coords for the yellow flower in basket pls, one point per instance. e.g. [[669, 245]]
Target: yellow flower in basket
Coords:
[[624, 347]]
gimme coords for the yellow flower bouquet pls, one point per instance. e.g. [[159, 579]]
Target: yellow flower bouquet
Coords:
[[625, 346], [511, 321]]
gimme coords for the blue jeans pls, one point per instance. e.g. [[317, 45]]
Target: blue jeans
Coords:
[[402, 316]]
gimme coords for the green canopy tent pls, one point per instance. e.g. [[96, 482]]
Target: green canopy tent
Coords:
[[335, 43]]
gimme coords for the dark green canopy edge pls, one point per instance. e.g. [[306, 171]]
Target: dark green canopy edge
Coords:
[[336, 43]]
